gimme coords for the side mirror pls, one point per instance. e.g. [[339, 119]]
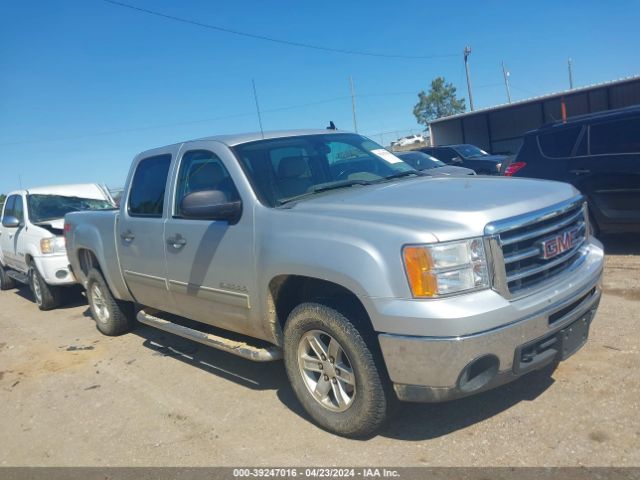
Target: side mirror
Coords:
[[210, 205], [10, 222], [456, 160]]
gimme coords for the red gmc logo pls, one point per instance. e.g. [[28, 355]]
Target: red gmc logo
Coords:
[[553, 247]]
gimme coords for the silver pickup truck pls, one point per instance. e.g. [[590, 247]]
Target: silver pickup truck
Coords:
[[372, 281]]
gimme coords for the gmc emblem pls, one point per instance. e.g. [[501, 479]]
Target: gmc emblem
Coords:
[[552, 247]]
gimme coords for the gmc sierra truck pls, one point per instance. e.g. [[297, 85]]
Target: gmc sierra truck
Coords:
[[372, 281]]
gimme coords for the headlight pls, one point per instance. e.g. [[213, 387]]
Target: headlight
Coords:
[[52, 245], [498, 166], [446, 268]]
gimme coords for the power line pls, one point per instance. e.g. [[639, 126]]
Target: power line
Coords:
[[275, 40], [202, 120]]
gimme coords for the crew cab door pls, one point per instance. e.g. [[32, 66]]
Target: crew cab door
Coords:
[[210, 263], [140, 231]]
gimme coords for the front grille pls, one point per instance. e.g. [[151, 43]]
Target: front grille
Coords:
[[521, 241]]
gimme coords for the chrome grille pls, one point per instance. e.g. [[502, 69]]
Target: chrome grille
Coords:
[[517, 246]]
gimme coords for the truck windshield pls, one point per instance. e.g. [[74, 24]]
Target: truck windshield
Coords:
[[285, 168], [51, 207]]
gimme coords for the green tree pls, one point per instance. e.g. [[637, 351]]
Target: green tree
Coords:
[[441, 101]]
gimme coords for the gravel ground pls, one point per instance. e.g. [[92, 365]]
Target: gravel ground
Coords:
[[72, 397]]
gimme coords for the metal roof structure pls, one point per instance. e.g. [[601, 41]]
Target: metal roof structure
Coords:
[[548, 96]]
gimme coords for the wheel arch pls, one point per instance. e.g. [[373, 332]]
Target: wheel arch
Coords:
[[286, 291]]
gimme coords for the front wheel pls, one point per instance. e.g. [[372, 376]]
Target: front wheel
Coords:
[[46, 296], [112, 316], [333, 371]]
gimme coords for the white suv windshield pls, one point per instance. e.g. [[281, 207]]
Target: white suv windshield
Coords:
[[51, 207]]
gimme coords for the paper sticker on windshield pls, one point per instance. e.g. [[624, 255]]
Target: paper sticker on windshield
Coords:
[[386, 155]]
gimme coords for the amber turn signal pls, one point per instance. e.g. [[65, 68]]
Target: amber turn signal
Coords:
[[419, 264]]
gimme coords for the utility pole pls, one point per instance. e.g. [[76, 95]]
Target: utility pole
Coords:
[[353, 104], [570, 75], [505, 74], [255, 97], [467, 52]]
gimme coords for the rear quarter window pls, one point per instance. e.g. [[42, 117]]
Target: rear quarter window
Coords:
[[559, 144]]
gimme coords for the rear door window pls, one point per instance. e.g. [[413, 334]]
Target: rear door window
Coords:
[[621, 136], [146, 198], [559, 144]]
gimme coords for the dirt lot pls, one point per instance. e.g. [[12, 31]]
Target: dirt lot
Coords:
[[71, 396]]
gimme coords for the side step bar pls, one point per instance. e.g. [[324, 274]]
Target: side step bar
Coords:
[[18, 276], [241, 349]]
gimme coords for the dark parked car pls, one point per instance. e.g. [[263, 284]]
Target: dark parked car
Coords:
[[431, 165], [599, 154], [468, 156]]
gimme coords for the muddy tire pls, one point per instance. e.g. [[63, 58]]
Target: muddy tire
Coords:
[[112, 316], [6, 282], [333, 372], [46, 296]]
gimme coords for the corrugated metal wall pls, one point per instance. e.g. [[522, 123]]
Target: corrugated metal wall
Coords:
[[501, 130]]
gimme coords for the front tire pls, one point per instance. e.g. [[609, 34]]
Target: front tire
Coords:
[[333, 371], [112, 316], [6, 282], [46, 296]]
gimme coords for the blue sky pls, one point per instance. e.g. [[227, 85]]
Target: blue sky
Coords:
[[85, 85]]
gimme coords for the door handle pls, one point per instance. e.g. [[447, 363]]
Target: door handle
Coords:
[[580, 172], [127, 236], [176, 242]]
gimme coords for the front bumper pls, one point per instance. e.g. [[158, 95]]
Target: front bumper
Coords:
[[55, 269], [437, 368]]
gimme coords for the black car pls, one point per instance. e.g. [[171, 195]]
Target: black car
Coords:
[[468, 156], [430, 165], [597, 153]]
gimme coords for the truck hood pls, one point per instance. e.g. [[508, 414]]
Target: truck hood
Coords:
[[55, 226], [57, 223], [447, 208]]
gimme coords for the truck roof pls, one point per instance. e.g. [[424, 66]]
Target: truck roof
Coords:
[[84, 190], [239, 138]]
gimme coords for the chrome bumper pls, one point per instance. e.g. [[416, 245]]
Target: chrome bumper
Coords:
[[429, 369]]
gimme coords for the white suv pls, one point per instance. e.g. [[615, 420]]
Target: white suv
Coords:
[[409, 140], [32, 245]]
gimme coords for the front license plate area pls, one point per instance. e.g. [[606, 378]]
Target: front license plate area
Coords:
[[574, 336]]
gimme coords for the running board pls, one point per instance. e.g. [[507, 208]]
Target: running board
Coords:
[[18, 276], [241, 349]]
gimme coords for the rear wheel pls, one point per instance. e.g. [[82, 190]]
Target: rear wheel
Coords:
[[6, 282], [112, 316], [333, 372], [46, 296]]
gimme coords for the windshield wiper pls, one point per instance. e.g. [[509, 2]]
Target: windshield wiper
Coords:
[[340, 184], [402, 174], [324, 188]]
